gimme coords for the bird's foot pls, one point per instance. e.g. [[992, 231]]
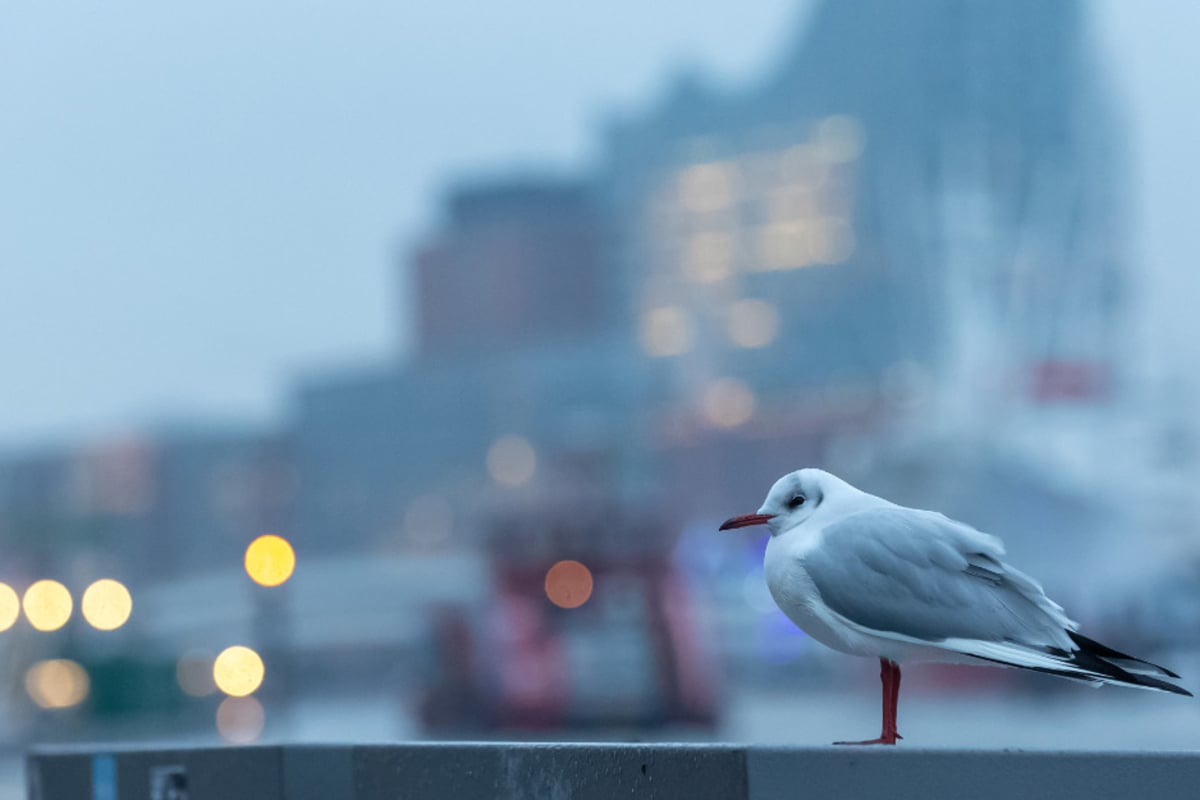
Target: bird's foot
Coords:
[[883, 739]]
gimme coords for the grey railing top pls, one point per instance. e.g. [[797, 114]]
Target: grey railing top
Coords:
[[499, 771]]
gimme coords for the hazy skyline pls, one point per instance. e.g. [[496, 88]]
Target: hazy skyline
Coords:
[[200, 204]]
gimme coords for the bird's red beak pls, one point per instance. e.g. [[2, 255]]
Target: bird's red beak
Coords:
[[745, 521]]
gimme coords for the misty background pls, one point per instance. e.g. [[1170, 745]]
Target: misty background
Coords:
[[242, 181], [494, 313]]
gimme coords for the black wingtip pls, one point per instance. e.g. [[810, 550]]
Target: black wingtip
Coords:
[[1102, 661], [1154, 683], [1092, 647]]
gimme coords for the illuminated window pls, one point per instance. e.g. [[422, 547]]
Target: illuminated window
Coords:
[[728, 403], [753, 323], [665, 332], [785, 245], [704, 188], [511, 461], [709, 257]]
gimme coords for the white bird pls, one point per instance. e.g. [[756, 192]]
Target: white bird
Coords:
[[871, 578]]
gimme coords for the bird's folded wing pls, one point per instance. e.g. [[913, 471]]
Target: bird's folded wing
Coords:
[[918, 575]]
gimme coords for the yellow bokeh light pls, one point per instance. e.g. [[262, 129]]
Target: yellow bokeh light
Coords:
[[240, 720], [511, 461], [568, 584], [665, 332], [47, 605], [57, 683], [10, 606], [106, 604], [238, 671], [753, 323], [728, 403], [194, 672], [270, 560]]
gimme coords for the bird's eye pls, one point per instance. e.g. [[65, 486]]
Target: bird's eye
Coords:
[[796, 501]]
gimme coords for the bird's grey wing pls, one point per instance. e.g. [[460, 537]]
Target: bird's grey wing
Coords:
[[922, 576]]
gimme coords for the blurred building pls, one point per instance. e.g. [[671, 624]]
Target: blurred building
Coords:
[[216, 490], [62, 505], [516, 263], [510, 433], [913, 224], [143, 508], [514, 390]]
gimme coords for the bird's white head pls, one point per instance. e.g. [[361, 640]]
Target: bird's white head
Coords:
[[793, 499]]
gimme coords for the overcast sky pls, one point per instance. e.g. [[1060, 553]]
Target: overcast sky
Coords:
[[199, 202]]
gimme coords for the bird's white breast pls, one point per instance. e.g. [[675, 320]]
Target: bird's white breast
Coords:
[[794, 591]]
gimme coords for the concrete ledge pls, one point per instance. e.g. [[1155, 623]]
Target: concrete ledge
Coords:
[[500, 771]]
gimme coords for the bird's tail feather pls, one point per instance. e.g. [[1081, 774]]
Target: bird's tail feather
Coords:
[[1092, 662]]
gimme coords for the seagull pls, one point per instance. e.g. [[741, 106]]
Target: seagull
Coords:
[[871, 578]]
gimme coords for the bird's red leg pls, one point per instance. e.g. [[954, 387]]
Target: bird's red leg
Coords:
[[890, 734], [889, 676]]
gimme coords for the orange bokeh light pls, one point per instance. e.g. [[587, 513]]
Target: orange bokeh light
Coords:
[[568, 584]]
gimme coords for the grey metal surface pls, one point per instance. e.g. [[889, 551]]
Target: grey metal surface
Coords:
[[900, 773], [550, 772], [318, 773], [504, 771]]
